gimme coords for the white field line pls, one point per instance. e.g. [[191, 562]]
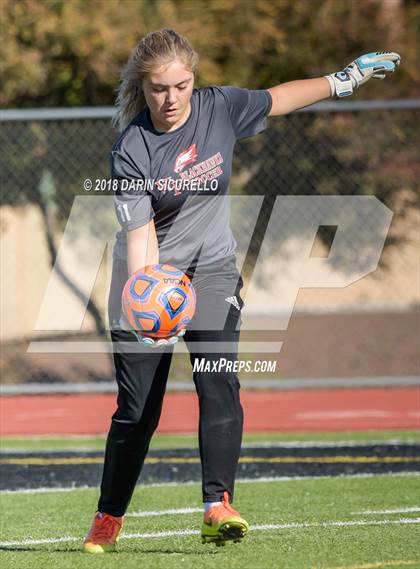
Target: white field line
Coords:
[[410, 510], [238, 481], [64, 539], [344, 523], [293, 525], [326, 444], [187, 532], [163, 512], [45, 490]]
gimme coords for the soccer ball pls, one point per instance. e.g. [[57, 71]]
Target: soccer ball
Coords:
[[158, 301]]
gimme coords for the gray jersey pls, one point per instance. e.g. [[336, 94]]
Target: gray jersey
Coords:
[[181, 178]]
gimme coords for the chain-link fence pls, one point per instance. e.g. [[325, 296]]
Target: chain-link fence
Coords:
[[330, 149]]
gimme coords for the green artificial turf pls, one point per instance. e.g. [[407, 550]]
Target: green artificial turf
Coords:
[[307, 501], [189, 440]]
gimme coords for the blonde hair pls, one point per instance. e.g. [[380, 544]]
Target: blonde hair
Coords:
[[153, 51]]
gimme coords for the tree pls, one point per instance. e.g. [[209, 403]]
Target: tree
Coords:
[[69, 53]]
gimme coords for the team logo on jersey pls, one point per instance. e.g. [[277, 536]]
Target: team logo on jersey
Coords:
[[185, 157]]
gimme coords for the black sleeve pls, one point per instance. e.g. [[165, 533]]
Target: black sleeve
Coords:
[[133, 203], [247, 109]]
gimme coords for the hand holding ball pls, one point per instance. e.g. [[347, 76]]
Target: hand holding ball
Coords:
[[158, 303]]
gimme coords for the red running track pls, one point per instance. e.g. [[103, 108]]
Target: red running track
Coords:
[[297, 410]]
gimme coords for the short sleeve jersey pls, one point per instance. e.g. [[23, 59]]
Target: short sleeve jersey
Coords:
[[181, 178]]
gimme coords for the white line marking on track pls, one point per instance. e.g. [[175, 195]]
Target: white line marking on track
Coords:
[[411, 510], [238, 481], [348, 414], [164, 512], [187, 532]]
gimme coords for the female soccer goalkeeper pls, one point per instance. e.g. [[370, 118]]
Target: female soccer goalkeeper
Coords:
[[182, 139]]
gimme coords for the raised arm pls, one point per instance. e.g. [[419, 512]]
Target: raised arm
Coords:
[[294, 95]]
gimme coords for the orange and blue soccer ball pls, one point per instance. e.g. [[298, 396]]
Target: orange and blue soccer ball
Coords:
[[158, 301]]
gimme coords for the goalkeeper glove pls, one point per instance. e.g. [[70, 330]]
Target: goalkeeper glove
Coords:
[[375, 64], [151, 342]]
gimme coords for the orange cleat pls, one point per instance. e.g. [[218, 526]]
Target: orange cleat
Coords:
[[104, 533], [223, 523]]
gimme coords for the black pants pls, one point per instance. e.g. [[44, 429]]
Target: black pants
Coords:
[[142, 376]]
